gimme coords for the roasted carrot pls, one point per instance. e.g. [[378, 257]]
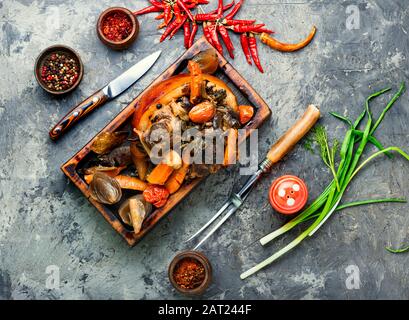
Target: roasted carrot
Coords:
[[230, 153], [131, 183], [112, 172], [196, 82], [176, 179], [160, 174]]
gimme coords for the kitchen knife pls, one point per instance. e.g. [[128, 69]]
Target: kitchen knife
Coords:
[[111, 91]]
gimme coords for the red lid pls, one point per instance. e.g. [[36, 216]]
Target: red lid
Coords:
[[288, 195]]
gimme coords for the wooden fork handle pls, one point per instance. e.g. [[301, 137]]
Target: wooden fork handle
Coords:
[[78, 113], [287, 142]]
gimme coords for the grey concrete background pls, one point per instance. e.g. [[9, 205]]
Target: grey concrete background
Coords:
[[44, 220]]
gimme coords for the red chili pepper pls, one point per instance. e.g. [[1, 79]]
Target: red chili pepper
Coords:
[[147, 10], [182, 6], [254, 52], [206, 17], [177, 12], [235, 10], [226, 39], [220, 8], [195, 28], [196, 2], [231, 22], [215, 38], [240, 28], [160, 16], [261, 30], [157, 4], [225, 8], [169, 29], [168, 13], [178, 26], [245, 46], [206, 33], [187, 33]]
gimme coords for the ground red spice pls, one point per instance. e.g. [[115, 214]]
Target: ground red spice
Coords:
[[117, 26], [189, 274], [59, 71]]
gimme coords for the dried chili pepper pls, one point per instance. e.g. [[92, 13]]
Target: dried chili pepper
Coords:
[[235, 10], [157, 4], [206, 33], [225, 8], [246, 48], [231, 22], [147, 10], [178, 26], [183, 7], [187, 32], [254, 52], [169, 29], [177, 12], [220, 8], [286, 47], [160, 16], [195, 28], [168, 14], [240, 28], [206, 17], [215, 38], [226, 39], [264, 30]]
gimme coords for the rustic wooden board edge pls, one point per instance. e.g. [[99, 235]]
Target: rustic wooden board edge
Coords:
[[70, 167]]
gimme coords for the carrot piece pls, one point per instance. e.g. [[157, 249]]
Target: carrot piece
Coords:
[[131, 183], [160, 174], [196, 82], [230, 153], [112, 173], [176, 179]]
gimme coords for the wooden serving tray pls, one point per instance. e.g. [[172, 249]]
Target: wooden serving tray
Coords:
[[245, 95]]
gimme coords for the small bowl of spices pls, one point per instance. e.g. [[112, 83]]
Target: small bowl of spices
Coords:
[[59, 69], [117, 28], [190, 273]]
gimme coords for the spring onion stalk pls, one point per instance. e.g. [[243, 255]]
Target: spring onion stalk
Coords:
[[363, 203], [328, 202]]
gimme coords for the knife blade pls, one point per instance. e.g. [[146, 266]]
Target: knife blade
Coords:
[[109, 92]]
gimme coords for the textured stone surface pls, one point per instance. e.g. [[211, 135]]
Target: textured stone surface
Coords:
[[44, 220]]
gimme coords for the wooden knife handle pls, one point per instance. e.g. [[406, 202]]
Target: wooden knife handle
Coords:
[[287, 142], [78, 113]]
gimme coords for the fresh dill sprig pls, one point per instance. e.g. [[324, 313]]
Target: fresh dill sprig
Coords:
[[328, 153]]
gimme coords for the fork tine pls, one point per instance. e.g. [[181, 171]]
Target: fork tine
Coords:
[[225, 206], [222, 221]]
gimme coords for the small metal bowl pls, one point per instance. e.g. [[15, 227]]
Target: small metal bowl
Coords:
[[202, 259], [58, 49], [126, 43]]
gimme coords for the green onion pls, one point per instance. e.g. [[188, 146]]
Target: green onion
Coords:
[[329, 201]]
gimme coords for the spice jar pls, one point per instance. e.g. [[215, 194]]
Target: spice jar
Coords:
[[117, 28], [190, 273]]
